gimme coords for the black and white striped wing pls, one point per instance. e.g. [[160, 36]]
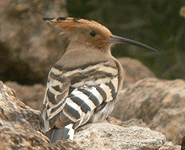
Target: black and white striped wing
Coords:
[[80, 95], [92, 87], [55, 97], [89, 102]]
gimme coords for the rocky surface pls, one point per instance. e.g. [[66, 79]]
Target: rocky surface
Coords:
[[134, 71], [159, 103], [104, 136], [29, 46], [21, 128], [19, 124]]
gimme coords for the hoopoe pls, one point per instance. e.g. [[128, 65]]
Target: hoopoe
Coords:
[[83, 85]]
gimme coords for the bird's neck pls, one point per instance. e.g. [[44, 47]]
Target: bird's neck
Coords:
[[77, 46]]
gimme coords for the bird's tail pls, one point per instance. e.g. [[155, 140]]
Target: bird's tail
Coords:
[[56, 134]]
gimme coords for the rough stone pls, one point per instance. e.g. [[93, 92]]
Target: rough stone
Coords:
[[170, 146], [19, 124], [131, 122], [134, 71], [108, 136], [21, 128], [29, 46], [159, 103]]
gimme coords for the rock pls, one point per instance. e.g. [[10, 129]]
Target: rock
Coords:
[[134, 71], [131, 122], [21, 126], [105, 136], [30, 95], [170, 146], [159, 103], [29, 46]]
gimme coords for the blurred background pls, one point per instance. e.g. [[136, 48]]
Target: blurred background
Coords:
[[156, 23], [29, 46]]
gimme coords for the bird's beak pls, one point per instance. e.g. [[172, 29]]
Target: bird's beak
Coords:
[[117, 39]]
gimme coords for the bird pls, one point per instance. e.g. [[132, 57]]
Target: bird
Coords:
[[84, 83]]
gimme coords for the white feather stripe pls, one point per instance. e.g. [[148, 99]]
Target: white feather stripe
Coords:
[[52, 90], [46, 122], [107, 91], [75, 107], [69, 73], [51, 115], [84, 98], [56, 71], [108, 69], [45, 99], [115, 83], [94, 91], [54, 106], [53, 82], [86, 118], [98, 67], [70, 132], [92, 82]]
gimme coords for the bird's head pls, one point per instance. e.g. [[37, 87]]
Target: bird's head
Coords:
[[90, 34]]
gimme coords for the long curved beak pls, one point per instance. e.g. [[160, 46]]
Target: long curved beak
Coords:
[[117, 39]]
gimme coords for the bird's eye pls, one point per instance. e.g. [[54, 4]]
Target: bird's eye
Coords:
[[93, 33]]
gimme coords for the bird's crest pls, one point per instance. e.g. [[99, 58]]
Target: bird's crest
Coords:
[[88, 32], [69, 23]]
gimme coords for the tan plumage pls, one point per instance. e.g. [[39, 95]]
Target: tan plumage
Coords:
[[83, 85]]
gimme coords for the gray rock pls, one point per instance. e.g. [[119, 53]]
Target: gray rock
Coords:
[[159, 103], [106, 136]]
